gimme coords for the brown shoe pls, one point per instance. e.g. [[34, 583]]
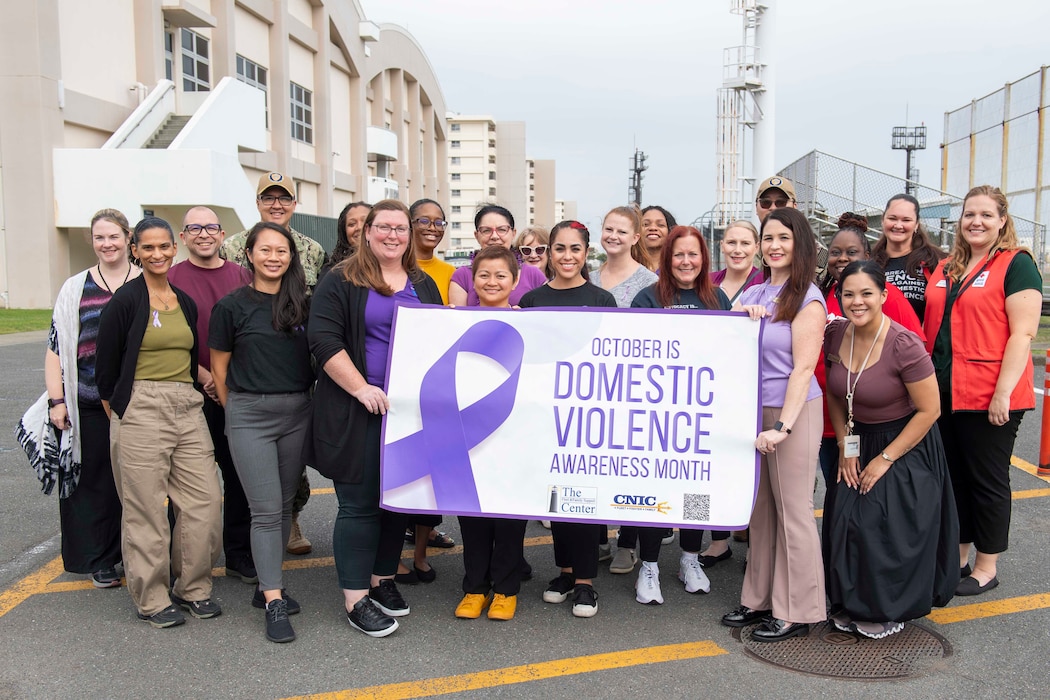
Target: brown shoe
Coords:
[[740, 535], [297, 544]]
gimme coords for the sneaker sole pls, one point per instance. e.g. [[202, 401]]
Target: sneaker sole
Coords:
[[619, 570], [300, 549], [161, 625], [374, 633], [281, 640], [554, 597], [584, 611], [233, 573], [106, 584], [698, 590], [391, 612], [654, 601]]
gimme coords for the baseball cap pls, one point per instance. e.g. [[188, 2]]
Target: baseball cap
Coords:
[[278, 180], [777, 183]]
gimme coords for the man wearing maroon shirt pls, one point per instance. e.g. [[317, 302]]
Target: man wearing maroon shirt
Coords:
[[207, 278]]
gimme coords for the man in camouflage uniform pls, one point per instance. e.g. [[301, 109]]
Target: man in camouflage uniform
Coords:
[[275, 199]]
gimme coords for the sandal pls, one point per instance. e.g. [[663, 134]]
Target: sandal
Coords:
[[440, 540]]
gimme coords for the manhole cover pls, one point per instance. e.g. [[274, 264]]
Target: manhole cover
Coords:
[[828, 652]]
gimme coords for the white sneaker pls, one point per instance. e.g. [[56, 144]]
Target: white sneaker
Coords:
[[647, 588], [668, 537], [623, 561], [692, 574], [605, 552]]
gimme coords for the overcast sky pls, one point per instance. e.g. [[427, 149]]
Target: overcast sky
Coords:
[[592, 79]]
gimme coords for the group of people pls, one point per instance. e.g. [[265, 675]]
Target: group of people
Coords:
[[261, 354]]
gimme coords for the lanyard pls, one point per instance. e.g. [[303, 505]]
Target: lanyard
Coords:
[[851, 386]]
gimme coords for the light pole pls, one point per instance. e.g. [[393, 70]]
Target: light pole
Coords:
[[909, 139]]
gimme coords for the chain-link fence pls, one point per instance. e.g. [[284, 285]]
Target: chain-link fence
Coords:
[[826, 186]]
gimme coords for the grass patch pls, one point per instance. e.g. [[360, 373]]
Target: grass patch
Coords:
[[1043, 336], [21, 320]]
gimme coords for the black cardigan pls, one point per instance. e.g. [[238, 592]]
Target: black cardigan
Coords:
[[337, 315], [120, 330]]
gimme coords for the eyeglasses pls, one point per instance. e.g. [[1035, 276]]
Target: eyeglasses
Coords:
[[530, 250], [269, 199], [387, 229], [488, 230], [197, 229], [424, 222], [779, 202]]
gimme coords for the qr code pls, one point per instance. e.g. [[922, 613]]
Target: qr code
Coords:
[[698, 506]]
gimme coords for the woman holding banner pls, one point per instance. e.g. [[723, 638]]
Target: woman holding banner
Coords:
[[575, 544], [684, 283], [350, 327], [784, 582], [492, 547]]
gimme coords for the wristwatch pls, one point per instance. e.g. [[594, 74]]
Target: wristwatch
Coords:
[[51, 403], [887, 457], [779, 427]]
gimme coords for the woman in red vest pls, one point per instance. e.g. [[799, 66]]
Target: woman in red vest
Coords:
[[982, 311]]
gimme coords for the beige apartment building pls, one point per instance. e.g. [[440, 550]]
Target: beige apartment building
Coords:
[[157, 105], [488, 163]]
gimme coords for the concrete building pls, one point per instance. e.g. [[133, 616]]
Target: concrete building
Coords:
[[488, 163], [156, 105], [564, 209]]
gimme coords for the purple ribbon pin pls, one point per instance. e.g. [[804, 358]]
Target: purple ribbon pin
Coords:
[[442, 447]]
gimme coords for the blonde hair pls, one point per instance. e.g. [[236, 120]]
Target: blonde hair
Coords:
[[741, 223], [961, 253], [542, 236], [638, 251]]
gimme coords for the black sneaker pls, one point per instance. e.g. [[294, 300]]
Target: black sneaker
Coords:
[[278, 629], [369, 619], [388, 599], [168, 617], [106, 578], [200, 609], [258, 601], [585, 601], [559, 588], [244, 569]]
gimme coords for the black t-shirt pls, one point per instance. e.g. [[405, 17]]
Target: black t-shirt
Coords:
[[264, 360], [685, 299], [914, 288], [586, 294]]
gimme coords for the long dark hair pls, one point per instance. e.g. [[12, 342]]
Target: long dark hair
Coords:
[[803, 261], [667, 290], [291, 306], [584, 234], [343, 248], [924, 254]]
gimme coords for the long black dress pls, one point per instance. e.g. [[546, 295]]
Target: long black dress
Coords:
[[891, 554]]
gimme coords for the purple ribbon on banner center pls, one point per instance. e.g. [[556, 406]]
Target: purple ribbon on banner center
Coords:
[[442, 447]]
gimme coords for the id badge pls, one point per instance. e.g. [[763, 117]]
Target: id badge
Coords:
[[852, 445]]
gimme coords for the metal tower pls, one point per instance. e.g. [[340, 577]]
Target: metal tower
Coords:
[[634, 189], [745, 112]]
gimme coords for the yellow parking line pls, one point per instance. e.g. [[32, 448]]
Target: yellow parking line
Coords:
[[322, 491], [526, 673], [31, 585], [1028, 467], [992, 608], [1030, 493]]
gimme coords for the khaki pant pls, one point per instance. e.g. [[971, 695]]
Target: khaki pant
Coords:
[[785, 568], [161, 449]]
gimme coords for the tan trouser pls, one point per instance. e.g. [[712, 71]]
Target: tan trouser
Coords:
[[785, 568], [161, 449]]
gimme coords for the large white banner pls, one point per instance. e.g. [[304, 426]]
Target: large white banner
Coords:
[[618, 416]]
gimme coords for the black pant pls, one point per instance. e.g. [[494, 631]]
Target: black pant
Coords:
[[978, 455], [576, 547], [236, 515], [649, 540], [492, 554]]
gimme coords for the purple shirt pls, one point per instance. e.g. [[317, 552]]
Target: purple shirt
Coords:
[[777, 361], [379, 318], [206, 285], [529, 278]]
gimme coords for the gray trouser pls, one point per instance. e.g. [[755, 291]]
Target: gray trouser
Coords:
[[266, 434]]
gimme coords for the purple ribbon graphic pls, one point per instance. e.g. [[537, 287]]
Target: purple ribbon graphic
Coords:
[[442, 448]]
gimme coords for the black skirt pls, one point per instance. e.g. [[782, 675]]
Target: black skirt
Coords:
[[893, 554]]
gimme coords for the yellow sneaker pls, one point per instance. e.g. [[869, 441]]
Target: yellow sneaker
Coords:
[[503, 607], [472, 605]]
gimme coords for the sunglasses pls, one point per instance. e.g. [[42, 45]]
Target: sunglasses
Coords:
[[779, 202], [530, 250]]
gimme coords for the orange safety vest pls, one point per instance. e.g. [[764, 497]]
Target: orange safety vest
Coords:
[[980, 329]]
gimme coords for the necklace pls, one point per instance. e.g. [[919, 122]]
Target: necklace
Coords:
[[851, 385], [159, 298], [103, 277]]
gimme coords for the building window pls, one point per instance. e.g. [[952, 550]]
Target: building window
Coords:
[[169, 55], [455, 177], [455, 160], [455, 127], [302, 114], [492, 191], [253, 74], [456, 225], [492, 175], [456, 209], [456, 193], [532, 198], [453, 144], [532, 187], [195, 64]]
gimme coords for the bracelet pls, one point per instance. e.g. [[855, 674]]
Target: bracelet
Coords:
[[51, 403]]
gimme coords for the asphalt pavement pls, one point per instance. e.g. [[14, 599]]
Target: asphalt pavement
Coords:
[[61, 638]]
